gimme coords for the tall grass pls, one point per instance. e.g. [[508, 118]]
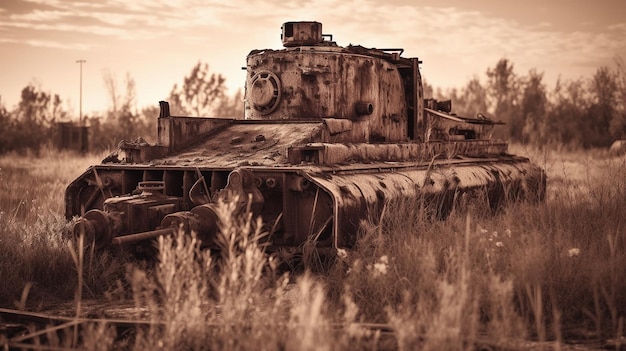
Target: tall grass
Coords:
[[543, 272], [550, 272], [235, 301], [32, 241]]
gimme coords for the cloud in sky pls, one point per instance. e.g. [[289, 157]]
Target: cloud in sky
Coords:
[[158, 42]]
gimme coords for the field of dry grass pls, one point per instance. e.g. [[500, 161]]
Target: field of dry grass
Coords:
[[547, 274]]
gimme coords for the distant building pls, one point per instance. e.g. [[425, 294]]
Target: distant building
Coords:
[[72, 136]]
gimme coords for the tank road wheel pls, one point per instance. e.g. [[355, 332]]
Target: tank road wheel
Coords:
[[94, 226], [265, 92]]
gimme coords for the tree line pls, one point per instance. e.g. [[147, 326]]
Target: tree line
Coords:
[[32, 123], [580, 113]]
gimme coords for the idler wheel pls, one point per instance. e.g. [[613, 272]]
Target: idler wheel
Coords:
[[95, 227]]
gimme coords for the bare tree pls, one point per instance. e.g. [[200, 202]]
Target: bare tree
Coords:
[[200, 93], [110, 82], [618, 123], [471, 99], [33, 105], [122, 120], [503, 88], [231, 106], [603, 88], [33, 119], [534, 107], [566, 113]]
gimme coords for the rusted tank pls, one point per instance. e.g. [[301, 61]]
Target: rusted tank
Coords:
[[330, 134]]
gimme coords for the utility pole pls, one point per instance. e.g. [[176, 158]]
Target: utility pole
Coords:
[[80, 113]]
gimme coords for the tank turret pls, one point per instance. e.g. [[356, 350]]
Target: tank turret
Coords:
[[330, 134]]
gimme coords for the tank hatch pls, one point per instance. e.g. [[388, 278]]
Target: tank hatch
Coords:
[[301, 33]]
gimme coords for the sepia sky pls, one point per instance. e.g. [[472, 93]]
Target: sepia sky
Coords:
[[158, 41]]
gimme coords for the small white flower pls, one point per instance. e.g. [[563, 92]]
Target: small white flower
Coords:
[[483, 230], [499, 244], [342, 253], [573, 252], [508, 232], [380, 268], [494, 234]]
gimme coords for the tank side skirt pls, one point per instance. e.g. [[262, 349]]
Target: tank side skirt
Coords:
[[358, 195]]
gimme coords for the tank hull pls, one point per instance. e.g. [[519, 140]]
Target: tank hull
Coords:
[[305, 203]]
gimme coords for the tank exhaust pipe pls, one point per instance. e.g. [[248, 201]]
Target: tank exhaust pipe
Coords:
[[164, 109], [364, 108]]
